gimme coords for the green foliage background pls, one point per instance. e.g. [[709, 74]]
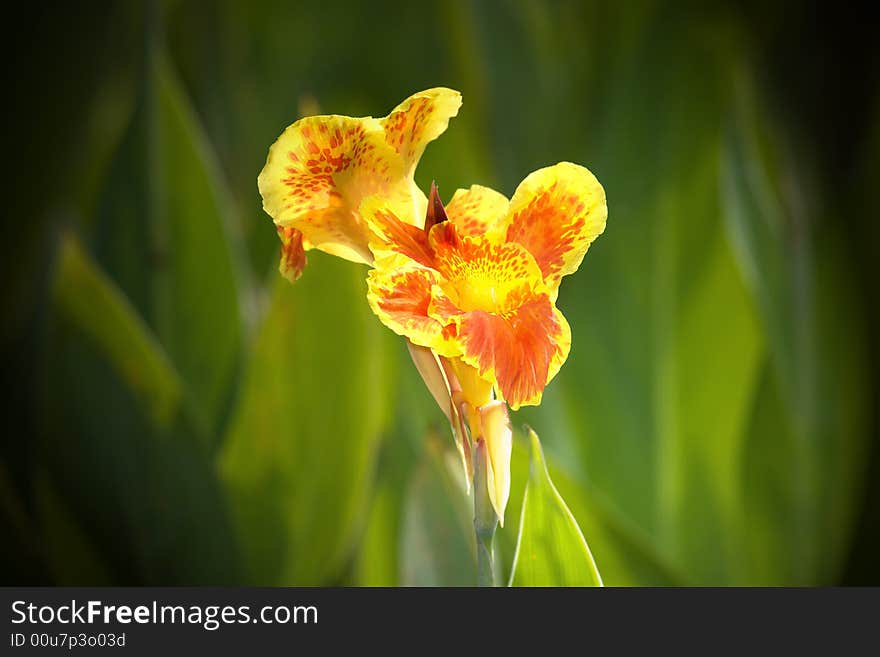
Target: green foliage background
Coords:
[[179, 414]]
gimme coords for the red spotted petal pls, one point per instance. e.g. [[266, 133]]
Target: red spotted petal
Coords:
[[556, 213], [321, 169], [418, 120], [318, 172], [477, 210]]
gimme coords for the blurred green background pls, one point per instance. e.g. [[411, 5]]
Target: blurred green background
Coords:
[[177, 413]]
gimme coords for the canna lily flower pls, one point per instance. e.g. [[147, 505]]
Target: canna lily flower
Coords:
[[474, 291], [322, 167], [472, 286]]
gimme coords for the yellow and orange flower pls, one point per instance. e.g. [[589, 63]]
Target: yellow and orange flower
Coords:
[[472, 285], [477, 287], [481, 287], [322, 167]]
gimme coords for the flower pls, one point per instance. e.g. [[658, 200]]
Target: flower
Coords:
[[472, 286], [476, 288], [322, 167]]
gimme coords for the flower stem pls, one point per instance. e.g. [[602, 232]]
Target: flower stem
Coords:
[[485, 519]]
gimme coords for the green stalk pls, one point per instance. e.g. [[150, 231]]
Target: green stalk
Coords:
[[485, 520]]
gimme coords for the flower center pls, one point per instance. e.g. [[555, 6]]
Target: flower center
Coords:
[[482, 275], [479, 293]]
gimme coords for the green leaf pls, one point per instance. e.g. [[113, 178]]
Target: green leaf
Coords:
[[551, 550], [197, 291], [627, 555], [165, 233], [812, 390], [92, 303], [303, 439], [115, 405]]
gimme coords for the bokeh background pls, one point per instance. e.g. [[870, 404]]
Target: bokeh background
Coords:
[[177, 413]]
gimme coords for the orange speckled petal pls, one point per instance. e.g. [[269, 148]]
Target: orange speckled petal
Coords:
[[419, 119], [399, 293], [556, 213], [520, 350], [477, 210], [318, 172]]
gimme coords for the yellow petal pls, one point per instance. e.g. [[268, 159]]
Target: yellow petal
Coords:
[[556, 213], [316, 175], [476, 390], [322, 167], [409, 128], [419, 119], [477, 210], [499, 444]]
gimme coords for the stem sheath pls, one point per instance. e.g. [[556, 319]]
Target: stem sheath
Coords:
[[485, 519]]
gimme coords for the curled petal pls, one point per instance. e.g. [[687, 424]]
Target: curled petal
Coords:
[[477, 210], [556, 213]]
